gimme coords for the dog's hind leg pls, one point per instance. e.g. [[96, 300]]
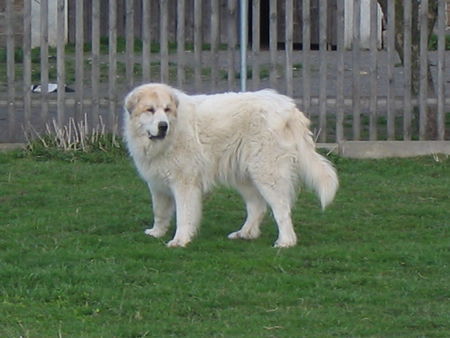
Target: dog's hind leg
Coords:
[[163, 209], [188, 201], [256, 209], [278, 196]]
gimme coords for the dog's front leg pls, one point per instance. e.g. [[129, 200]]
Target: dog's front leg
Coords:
[[188, 204], [163, 209]]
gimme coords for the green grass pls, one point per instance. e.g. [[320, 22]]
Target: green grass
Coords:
[[74, 261], [433, 42]]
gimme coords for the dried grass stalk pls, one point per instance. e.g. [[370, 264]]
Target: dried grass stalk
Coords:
[[75, 136]]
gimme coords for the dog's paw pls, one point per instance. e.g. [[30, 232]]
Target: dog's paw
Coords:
[[285, 243], [177, 243], [235, 235], [243, 235], [157, 233]]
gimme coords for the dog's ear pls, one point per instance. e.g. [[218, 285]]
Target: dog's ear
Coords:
[[175, 100], [130, 101]]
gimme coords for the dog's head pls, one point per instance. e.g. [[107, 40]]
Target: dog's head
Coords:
[[152, 108]]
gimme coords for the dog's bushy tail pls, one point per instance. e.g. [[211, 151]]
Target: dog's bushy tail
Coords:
[[315, 170]]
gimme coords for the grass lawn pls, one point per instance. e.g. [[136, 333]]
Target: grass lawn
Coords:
[[74, 261]]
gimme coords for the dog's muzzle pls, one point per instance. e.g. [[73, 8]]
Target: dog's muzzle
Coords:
[[162, 131]]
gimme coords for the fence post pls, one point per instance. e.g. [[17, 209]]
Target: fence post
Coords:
[[95, 73], [423, 69], [356, 83], [11, 72], [289, 32], [273, 41], [164, 41], [407, 120], [390, 71], [44, 59], [198, 40], [181, 37], [256, 43], [27, 61], [323, 8], [79, 60], [340, 108], [146, 41], [441, 71], [129, 43], [112, 85], [243, 47], [373, 134], [306, 42], [231, 6], [60, 62], [214, 39]]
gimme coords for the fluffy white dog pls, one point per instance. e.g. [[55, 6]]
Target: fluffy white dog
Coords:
[[257, 142]]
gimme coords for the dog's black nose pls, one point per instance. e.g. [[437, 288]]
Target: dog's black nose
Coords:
[[163, 126]]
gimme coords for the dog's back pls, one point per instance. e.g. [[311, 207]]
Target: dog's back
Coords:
[[262, 131]]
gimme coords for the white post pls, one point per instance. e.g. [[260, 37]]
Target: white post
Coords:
[[243, 47]]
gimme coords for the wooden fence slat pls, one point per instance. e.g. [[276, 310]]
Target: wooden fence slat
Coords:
[[423, 71], [27, 61], [129, 43], [441, 71], [60, 63], [214, 43], [146, 41], [306, 27], [181, 40], [340, 72], [232, 40], [10, 69], [323, 9], [273, 42], [44, 58], [95, 72], [407, 107], [356, 79], [256, 43], [373, 70], [164, 43], [79, 60], [112, 61], [289, 24], [198, 40], [390, 71]]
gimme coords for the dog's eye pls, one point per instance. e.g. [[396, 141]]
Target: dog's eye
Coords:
[[167, 109], [151, 110]]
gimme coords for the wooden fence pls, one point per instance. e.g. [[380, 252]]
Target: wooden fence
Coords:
[[353, 94]]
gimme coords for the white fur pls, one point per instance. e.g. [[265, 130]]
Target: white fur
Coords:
[[257, 142]]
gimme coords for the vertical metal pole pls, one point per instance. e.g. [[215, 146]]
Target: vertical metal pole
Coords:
[[243, 47]]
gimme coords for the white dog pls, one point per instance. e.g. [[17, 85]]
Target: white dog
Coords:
[[257, 142]]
